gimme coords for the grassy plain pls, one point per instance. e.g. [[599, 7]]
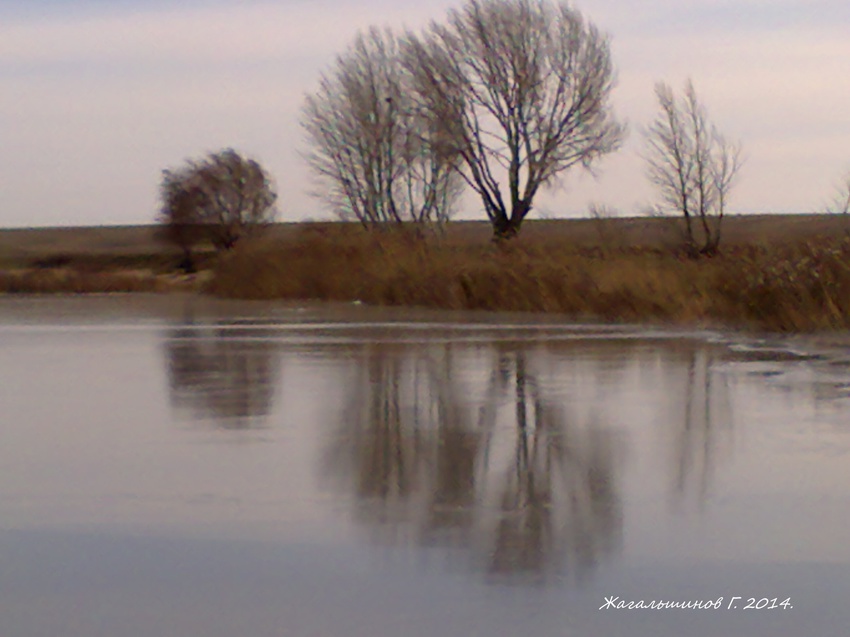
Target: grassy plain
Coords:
[[777, 272]]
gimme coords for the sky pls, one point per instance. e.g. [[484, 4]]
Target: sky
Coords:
[[99, 96]]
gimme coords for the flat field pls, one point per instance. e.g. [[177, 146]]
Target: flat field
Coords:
[[21, 247]]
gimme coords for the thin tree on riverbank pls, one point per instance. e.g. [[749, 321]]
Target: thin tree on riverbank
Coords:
[[373, 154], [692, 165]]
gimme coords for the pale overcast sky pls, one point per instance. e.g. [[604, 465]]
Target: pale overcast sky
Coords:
[[98, 96]]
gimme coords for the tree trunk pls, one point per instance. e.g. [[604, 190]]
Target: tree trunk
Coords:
[[187, 263], [504, 229]]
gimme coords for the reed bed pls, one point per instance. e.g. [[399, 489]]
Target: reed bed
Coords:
[[791, 286], [72, 281], [774, 273]]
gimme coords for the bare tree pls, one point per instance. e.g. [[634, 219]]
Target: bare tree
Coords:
[[519, 93], [693, 166], [372, 152], [219, 199], [601, 214], [840, 203], [180, 225]]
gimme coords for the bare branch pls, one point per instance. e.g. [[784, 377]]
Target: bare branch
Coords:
[[220, 198], [375, 157], [520, 91], [840, 203], [693, 166]]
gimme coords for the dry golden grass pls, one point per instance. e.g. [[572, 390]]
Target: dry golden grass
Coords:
[[25, 244], [92, 260], [62, 280], [801, 284], [785, 273]]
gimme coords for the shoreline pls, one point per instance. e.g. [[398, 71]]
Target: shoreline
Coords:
[[778, 273]]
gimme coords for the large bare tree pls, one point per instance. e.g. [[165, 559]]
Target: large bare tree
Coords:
[[219, 199], [372, 152], [518, 91], [693, 166]]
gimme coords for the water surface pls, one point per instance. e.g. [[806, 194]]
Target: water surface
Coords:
[[179, 466]]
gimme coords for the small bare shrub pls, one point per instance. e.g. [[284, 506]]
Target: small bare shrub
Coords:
[[219, 199]]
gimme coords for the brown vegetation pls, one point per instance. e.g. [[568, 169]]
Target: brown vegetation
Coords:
[[66, 280], [216, 200], [801, 284], [92, 260], [776, 272]]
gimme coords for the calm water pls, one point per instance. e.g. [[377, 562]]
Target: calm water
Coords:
[[182, 467]]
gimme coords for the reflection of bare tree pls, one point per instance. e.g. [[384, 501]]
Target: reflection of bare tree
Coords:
[[557, 500], [221, 374], [704, 419], [521, 489], [380, 448]]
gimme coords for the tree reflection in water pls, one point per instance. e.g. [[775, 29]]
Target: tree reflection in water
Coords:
[[703, 426], [222, 374], [507, 477]]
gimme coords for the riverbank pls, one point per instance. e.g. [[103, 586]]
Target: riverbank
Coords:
[[94, 260], [781, 273]]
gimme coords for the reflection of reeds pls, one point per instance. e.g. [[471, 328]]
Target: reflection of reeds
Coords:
[[782, 287]]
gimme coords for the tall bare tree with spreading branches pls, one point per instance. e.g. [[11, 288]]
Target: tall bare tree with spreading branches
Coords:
[[372, 151], [518, 92], [693, 166]]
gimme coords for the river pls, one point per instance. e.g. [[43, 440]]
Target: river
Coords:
[[191, 467]]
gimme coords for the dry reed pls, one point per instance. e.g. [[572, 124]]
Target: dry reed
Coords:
[[793, 287], [71, 281]]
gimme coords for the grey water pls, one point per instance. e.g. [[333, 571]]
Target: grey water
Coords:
[[179, 466]]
